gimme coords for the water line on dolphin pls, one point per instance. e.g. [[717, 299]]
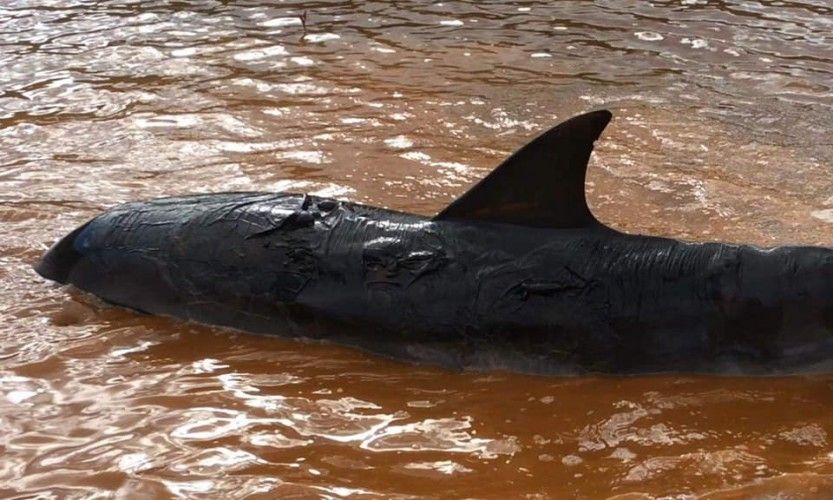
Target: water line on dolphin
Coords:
[[516, 274]]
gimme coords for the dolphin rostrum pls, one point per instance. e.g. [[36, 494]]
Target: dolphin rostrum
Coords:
[[515, 274]]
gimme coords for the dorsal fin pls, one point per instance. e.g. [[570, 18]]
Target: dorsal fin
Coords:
[[542, 184]]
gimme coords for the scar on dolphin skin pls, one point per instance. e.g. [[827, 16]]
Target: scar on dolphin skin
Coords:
[[394, 262], [516, 273]]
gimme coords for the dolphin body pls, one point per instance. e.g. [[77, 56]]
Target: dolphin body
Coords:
[[516, 274]]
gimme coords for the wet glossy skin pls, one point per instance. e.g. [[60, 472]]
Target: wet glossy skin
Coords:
[[722, 133], [463, 294]]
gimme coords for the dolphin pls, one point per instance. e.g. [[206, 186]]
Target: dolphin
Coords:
[[516, 274]]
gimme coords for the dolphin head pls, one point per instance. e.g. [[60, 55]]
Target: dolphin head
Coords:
[[98, 257]]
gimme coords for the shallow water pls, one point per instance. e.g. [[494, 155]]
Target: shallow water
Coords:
[[722, 131]]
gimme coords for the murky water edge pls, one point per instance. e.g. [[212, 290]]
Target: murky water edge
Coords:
[[722, 131]]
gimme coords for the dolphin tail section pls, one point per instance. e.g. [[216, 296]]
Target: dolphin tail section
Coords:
[[541, 184]]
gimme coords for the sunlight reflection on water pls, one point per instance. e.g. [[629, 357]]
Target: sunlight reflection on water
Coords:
[[722, 131]]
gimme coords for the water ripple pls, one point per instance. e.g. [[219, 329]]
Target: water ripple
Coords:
[[722, 131]]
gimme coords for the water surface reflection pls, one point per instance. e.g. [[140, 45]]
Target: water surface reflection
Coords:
[[722, 132]]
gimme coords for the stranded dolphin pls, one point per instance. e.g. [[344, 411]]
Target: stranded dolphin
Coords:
[[515, 274]]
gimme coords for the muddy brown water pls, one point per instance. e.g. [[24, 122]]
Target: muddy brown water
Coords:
[[722, 132]]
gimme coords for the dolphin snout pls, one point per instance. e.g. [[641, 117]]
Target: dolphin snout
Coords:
[[57, 264]]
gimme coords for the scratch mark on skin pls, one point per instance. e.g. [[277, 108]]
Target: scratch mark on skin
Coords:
[[224, 215], [296, 220], [547, 288]]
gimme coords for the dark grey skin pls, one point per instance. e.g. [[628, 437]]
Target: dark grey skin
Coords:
[[516, 274]]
